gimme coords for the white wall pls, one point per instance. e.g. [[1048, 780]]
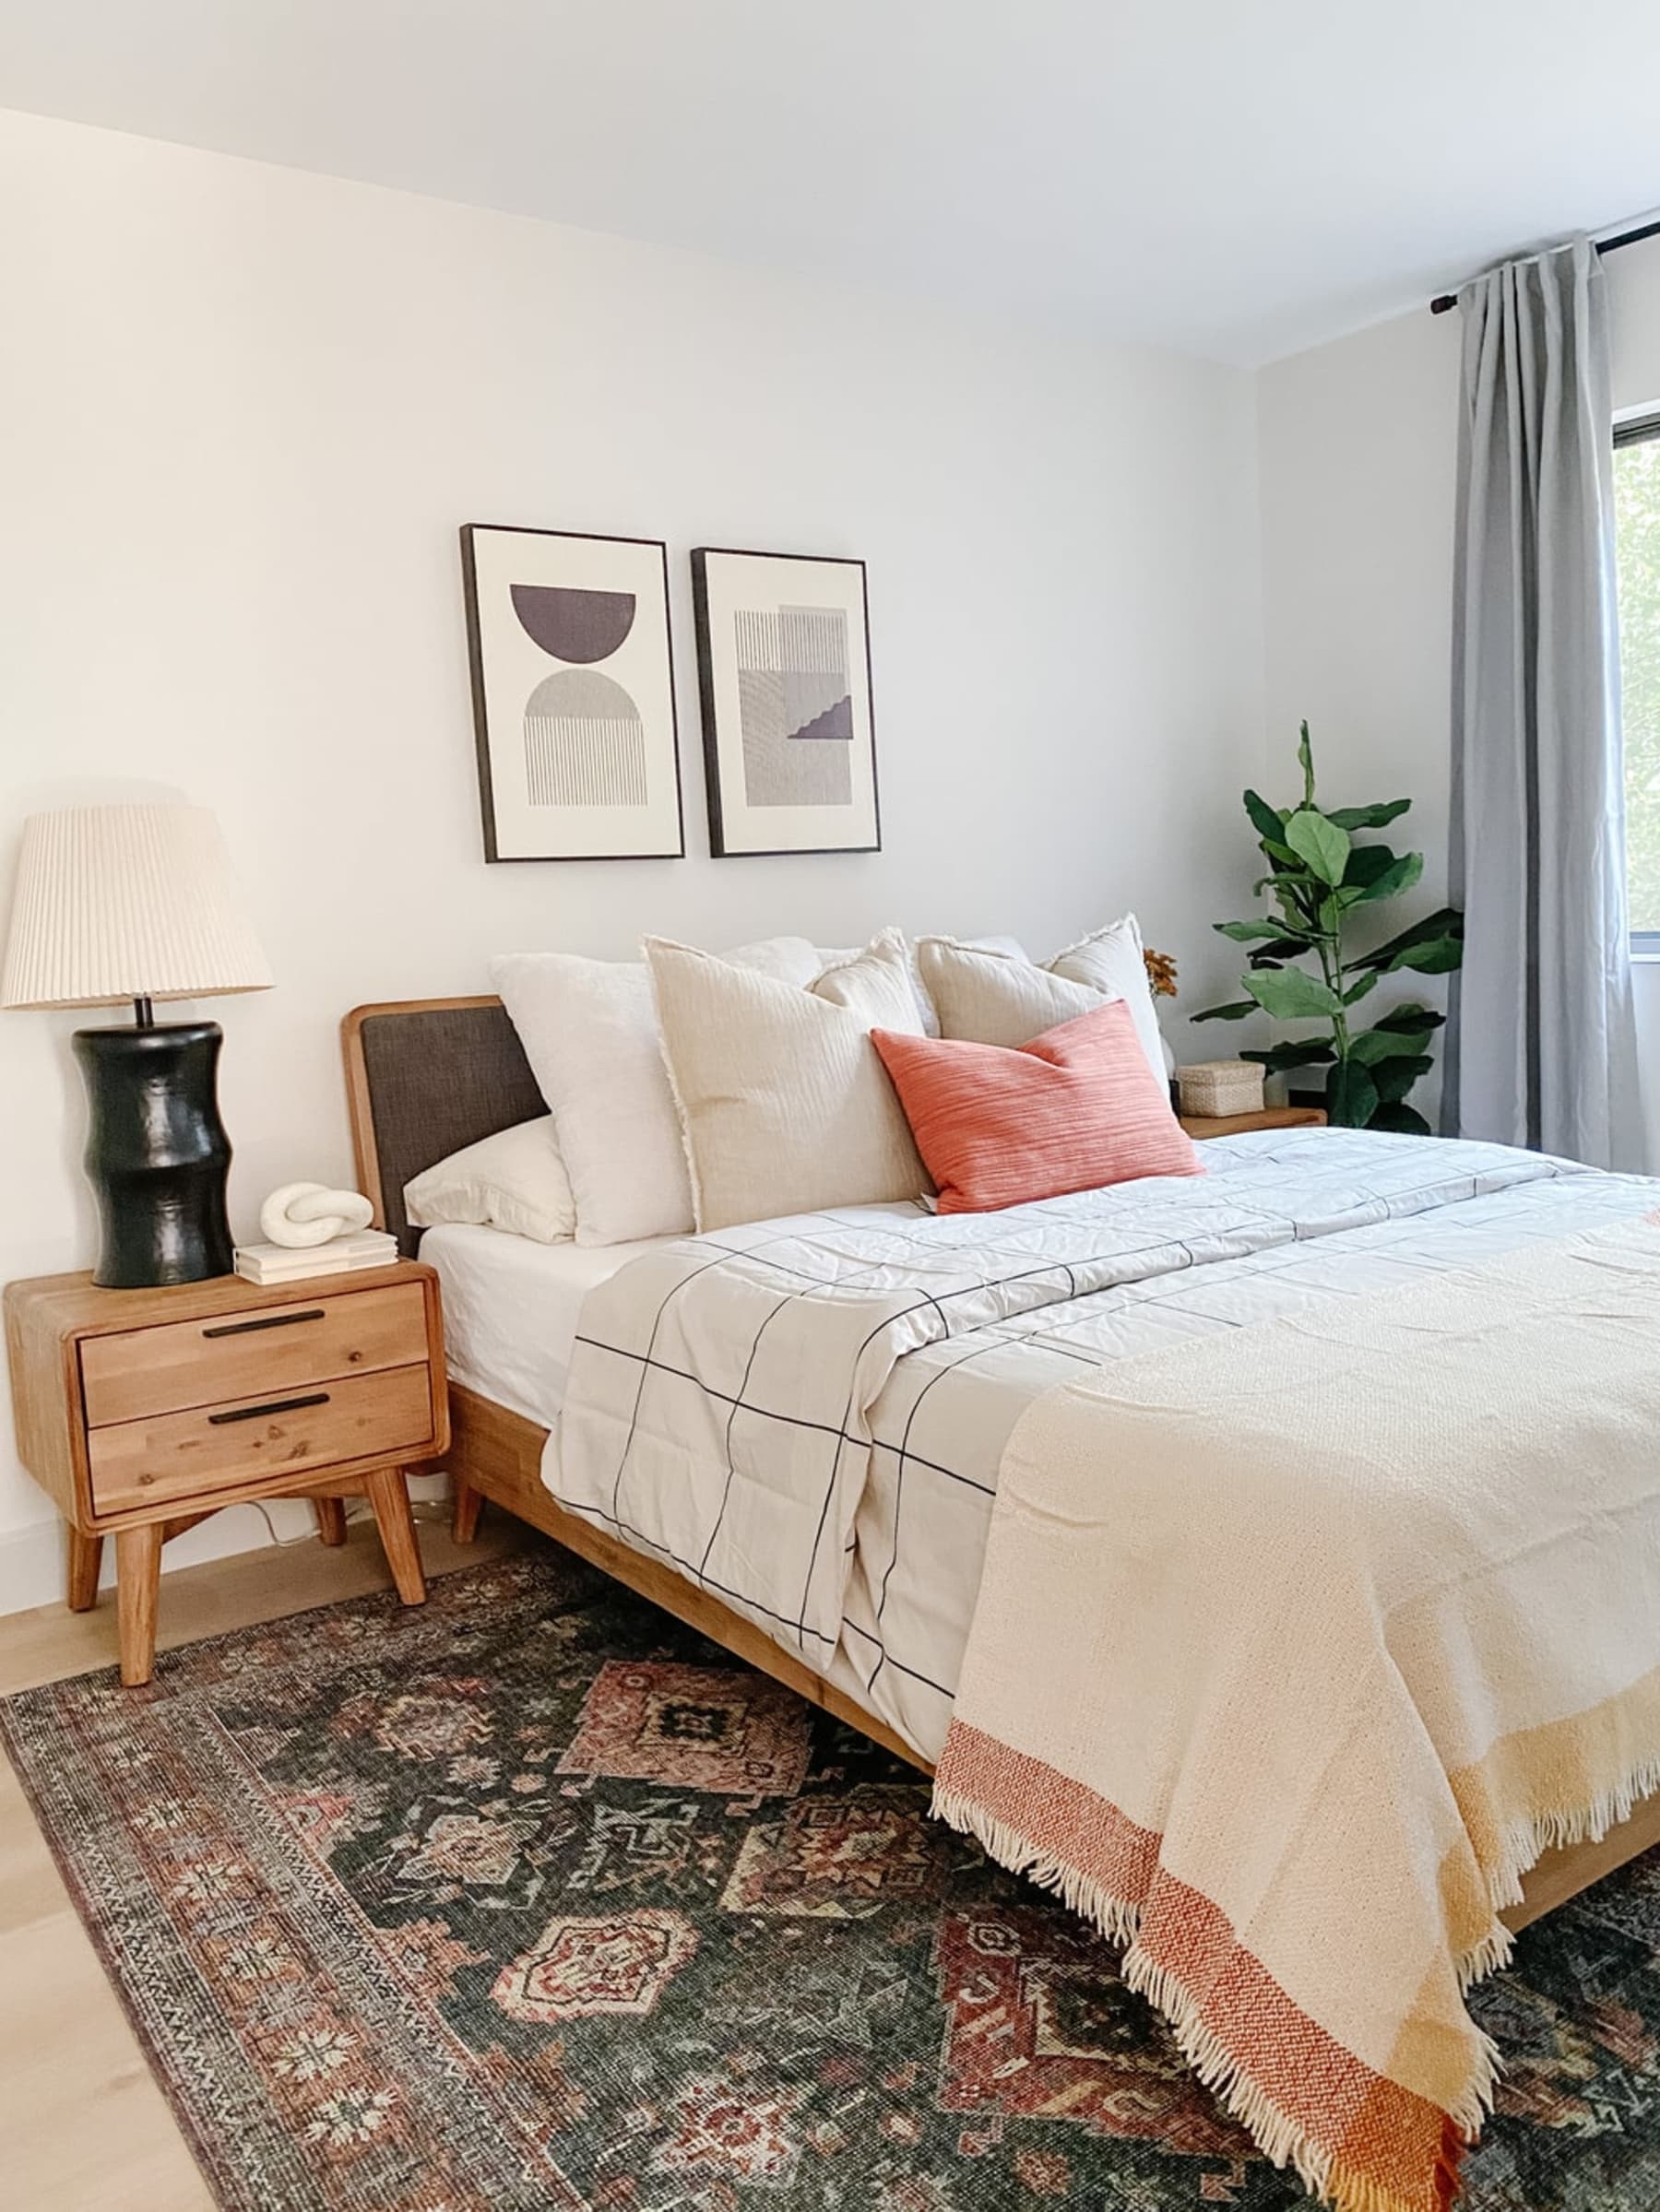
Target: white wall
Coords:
[[243, 411], [1357, 457]]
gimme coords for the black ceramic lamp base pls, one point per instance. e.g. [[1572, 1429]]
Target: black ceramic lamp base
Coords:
[[157, 1154]]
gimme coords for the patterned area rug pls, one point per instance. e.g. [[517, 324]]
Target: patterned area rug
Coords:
[[534, 1899]]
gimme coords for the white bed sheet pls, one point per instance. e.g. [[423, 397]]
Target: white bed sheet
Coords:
[[510, 1309]]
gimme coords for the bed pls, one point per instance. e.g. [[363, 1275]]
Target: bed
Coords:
[[425, 1077], [893, 1360]]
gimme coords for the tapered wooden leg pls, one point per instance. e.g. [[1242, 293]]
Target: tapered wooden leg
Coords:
[[389, 1495], [86, 1556], [138, 1586], [331, 1519], [468, 1504]]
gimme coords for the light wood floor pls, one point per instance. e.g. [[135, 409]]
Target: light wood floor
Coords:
[[83, 2126]]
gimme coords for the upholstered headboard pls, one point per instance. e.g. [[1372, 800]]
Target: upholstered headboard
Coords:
[[424, 1077]]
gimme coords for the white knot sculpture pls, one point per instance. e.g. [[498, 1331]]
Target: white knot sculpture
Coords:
[[303, 1214]]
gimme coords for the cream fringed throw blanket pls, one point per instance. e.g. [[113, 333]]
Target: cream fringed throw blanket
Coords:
[[1296, 1647]]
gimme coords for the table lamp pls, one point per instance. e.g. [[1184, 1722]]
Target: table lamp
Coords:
[[138, 902]]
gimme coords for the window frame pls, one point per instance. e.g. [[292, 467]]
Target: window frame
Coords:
[[1640, 430]]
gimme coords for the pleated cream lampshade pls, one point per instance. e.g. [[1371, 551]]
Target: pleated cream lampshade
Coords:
[[128, 902]]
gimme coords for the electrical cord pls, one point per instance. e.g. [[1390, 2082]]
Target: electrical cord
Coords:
[[433, 1512]]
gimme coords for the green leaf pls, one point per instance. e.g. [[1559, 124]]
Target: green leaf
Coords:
[[1313, 1052], [1402, 1120], [1395, 1078], [1389, 883], [1265, 820], [1282, 949], [1351, 1095], [1245, 933], [1445, 922], [1291, 994], [1320, 843], [1305, 760], [1374, 1044], [1440, 957], [1366, 864], [1368, 818], [1234, 1012], [1356, 991], [1409, 1017]]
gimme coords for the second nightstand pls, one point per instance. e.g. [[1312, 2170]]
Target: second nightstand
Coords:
[[1235, 1125], [141, 1412]]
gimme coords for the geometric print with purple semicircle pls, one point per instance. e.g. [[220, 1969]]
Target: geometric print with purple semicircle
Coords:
[[795, 706], [585, 744]]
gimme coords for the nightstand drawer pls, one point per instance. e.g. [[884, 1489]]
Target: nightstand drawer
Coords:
[[207, 1363], [189, 1455]]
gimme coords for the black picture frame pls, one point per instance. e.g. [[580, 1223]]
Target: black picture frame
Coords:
[[485, 736], [721, 844]]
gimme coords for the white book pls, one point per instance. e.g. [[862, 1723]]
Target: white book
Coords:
[[283, 1264], [252, 1271], [349, 1246]]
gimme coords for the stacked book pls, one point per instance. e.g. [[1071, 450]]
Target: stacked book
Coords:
[[285, 1263]]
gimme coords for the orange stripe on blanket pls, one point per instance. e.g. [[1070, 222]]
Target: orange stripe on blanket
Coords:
[[1057, 1816], [1389, 2149]]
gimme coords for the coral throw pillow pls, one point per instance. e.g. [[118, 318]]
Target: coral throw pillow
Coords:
[[1075, 1108]]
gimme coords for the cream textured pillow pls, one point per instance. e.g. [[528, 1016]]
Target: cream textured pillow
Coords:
[[1112, 961], [930, 1016], [784, 1105], [515, 1180], [867, 982], [589, 1032], [990, 998]]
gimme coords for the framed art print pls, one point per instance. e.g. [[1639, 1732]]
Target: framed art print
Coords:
[[573, 694], [784, 674]]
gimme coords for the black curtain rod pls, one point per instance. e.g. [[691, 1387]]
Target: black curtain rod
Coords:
[[1604, 245]]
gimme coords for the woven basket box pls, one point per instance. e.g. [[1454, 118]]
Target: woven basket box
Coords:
[[1218, 1087]]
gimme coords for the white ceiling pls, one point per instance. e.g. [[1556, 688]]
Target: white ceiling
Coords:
[[1234, 177]]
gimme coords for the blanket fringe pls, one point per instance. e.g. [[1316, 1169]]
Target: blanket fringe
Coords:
[[1274, 2131], [1526, 1841]]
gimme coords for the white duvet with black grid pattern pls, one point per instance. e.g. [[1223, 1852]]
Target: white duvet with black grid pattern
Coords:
[[807, 1416]]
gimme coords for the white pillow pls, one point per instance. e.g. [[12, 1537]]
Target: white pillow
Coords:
[[515, 1180], [590, 1034], [785, 1105], [990, 998]]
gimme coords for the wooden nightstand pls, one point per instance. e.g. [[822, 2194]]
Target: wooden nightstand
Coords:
[[1235, 1125], [141, 1412]]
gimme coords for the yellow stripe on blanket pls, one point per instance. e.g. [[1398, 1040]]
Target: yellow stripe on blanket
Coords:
[[1293, 1650]]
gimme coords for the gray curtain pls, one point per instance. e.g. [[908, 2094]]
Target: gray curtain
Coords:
[[1541, 1049]]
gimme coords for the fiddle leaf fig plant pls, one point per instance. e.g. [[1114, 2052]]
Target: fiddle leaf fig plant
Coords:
[[1300, 968]]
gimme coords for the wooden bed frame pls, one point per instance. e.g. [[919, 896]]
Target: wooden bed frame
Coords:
[[497, 1454]]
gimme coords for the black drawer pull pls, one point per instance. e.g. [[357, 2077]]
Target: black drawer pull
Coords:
[[266, 1320], [278, 1405]]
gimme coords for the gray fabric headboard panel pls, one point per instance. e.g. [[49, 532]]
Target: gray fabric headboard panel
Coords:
[[430, 1079]]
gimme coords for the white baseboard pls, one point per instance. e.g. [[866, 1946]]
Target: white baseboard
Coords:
[[31, 1557]]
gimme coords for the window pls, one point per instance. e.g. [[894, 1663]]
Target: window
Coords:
[[1637, 535]]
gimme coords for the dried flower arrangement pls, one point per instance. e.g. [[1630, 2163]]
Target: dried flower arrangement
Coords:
[[1161, 972]]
